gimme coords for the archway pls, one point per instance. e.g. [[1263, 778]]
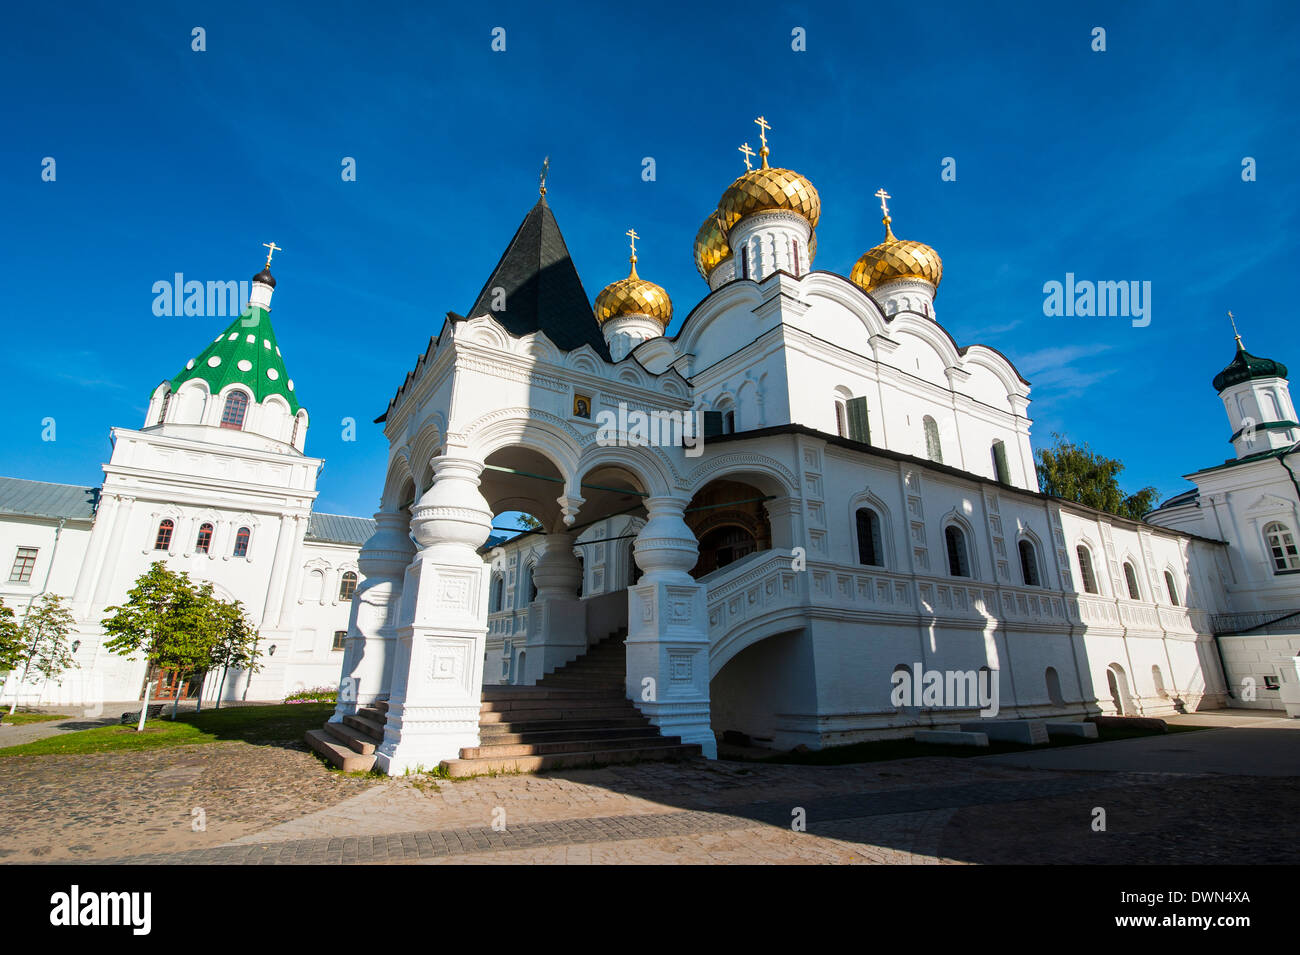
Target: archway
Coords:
[[1117, 682], [729, 521]]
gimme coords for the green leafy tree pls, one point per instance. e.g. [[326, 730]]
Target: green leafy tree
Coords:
[[165, 617], [1077, 473], [235, 646], [11, 640], [44, 636]]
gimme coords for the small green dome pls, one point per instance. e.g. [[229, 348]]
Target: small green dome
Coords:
[[1245, 367]]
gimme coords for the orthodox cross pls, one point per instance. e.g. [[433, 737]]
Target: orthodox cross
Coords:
[[271, 248], [631, 233], [763, 127], [1234, 327], [749, 154], [882, 196], [541, 181]]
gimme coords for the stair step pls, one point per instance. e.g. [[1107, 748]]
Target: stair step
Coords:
[[493, 750], [533, 764], [546, 726], [606, 711], [373, 713], [494, 693], [352, 738], [604, 701], [370, 727], [381, 705], [636, 729], [338, 755]]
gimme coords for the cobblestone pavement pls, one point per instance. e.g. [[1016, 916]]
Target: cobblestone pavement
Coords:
[[268, 805]]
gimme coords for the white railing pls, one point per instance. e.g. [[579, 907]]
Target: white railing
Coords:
[[741, 593]]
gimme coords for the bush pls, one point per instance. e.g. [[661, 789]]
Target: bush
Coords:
[[320, 694]]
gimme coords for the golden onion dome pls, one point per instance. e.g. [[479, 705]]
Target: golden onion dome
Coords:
[[768, 189], [896, 259], [711, 246], [633, 296]]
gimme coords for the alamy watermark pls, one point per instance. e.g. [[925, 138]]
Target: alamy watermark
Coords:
[[1088, 299], [178, 297], [632, 428], [950, 689]]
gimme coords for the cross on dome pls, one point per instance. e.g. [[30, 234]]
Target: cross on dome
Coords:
[[749, 154], [1236, 333], [883, 196], [763, 127], [271, 248]]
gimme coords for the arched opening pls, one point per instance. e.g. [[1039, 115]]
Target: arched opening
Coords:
[[1281, 548], [933, 449], [242, 537], [203, 543], [1130, 578], [1028, 564], [730, 523], [1117, 683], [870, 546], [958, 557], [1085, 569], [1158, 680], [347, 585], [163, 539], [1172, 588], [234, 410], [1054, 687]]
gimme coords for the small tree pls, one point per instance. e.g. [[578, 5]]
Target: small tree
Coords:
[[11, 640], [165, 618], [236, 644], [1077, 473], [44, 635]]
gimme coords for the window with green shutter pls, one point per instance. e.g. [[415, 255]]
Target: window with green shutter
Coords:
[[1000, 469], [858, 421]]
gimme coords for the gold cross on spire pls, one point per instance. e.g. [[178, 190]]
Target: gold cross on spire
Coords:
[[1234, 329], [541, 180], [763, 127], [271, 248], [883, 196], [749, 154], [631, 233]]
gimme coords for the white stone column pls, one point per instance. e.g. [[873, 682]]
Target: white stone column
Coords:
[[277, 580], [293, 581], [437, 683], [668, 635], [109, 564], [368, 652], [557, 619], [105, 518]]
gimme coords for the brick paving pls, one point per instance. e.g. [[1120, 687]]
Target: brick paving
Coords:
[[270, 805]]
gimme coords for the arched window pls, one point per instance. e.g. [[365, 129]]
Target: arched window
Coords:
[[1281, 547], [1029, 564], [933, 450], [1130, 578], [232, 415], [241, 542], [532, 584], [347, 585], [1000, 469], [958, 560], [841, 423], [1054, 687], [1085, 570], [204, 542], [297, 420], [498, 594], [1173, 590], [728, 422], [1158, 679], [166, 403], [164, 539], [869, 549], [796, 258]]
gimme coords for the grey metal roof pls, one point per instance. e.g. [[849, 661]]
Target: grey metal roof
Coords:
[[41, 499], [340, 529]]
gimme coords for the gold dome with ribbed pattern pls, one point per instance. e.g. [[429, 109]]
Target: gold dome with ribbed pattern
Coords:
[[896, 259], [711, 246], [633, 296], [768, 189]]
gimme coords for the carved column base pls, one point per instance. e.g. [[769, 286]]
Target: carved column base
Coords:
[[668, 660]]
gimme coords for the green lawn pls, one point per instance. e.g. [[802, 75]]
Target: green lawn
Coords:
[[886, 749], [252, 724], [19, 718]]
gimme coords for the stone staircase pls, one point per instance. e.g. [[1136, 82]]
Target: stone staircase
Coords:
[[577, 716], [350, 745]]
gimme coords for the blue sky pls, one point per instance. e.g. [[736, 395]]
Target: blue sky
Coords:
[[1122, 165]]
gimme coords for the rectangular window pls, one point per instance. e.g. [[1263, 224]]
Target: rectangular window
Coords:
[[339, 637], [859, 421], [24, 564]]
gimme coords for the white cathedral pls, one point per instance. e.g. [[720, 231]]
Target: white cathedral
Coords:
[[862, 500]]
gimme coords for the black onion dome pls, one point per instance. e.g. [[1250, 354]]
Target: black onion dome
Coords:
[[265, 277], [1245, 367]]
